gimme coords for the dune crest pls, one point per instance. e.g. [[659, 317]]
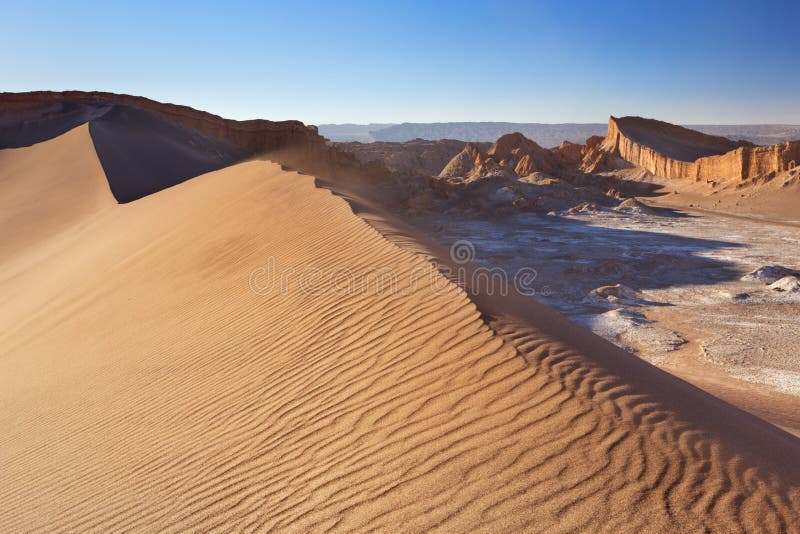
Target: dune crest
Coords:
[[168, 386]]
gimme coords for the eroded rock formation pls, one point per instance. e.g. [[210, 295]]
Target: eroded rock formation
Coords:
[[512, 154], [671, 151]]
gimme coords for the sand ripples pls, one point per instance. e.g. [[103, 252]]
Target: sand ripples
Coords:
[[174, 398]]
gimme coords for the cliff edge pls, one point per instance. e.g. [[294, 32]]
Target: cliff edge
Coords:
[[673, 151]]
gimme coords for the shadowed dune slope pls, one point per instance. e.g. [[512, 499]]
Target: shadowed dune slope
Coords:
[[142, 151], [28, 126], [144, 384]]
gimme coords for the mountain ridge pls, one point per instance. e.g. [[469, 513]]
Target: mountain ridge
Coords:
[[545, 134]]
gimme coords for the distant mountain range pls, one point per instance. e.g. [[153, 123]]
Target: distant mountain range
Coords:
[[352, 132], [547, 135]]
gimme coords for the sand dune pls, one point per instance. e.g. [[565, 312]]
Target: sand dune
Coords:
[[49, 188], [143, 152], [145, 385]]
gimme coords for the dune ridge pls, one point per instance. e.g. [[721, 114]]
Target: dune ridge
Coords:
[[146, 146], [146, 386]]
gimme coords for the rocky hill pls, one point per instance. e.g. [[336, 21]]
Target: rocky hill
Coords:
[[514, 155]]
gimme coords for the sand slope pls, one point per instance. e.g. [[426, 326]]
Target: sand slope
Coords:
[[145, 385], [141, 150], [47, 189]]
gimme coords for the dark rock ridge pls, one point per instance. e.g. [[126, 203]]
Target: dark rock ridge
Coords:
[[255, 136]]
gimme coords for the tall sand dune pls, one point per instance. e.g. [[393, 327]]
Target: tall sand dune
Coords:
[[152, 378], [145, 146], [141, 150]]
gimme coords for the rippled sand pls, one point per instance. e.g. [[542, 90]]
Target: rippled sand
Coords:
[[149, 381]]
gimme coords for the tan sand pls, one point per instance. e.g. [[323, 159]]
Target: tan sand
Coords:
[[777, 201], [48, 188], [144, 385]]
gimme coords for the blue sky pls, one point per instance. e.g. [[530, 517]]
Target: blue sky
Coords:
[[394, 61]]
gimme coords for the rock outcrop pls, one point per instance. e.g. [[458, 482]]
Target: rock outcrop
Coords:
[[568, 154], [517, 153], [512, 154], [470, 163], [672, 151]]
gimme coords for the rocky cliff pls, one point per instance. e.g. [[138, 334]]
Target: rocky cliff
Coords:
[[672, 151]]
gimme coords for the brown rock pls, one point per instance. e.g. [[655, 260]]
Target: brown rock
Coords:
[[568, 154], [469, 163], [518, 153], [675, 152]]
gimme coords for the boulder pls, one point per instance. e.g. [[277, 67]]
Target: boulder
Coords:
[[787, 284], [769, 274], [614, 295], [631, 205]]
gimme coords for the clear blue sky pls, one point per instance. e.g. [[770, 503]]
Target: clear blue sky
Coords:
[[394, 61]]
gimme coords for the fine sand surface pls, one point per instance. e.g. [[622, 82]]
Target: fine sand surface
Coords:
[[46, 190], [152, 379], [685, 307]]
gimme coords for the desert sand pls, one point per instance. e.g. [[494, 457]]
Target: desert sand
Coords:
[[152, 379]]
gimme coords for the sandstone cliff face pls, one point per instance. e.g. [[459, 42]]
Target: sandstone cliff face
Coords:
[[288, 142], [675, 152]]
